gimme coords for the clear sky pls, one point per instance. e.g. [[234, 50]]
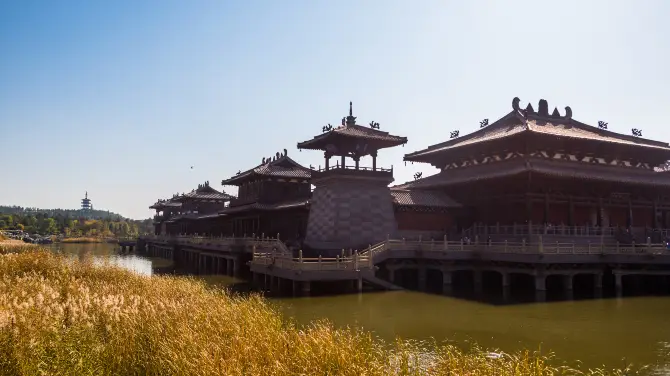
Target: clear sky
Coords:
[[120, 98]]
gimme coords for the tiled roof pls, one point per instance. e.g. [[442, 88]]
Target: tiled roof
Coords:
[[353, 132], [421, 197], [517, 122], [565, 169], [266, 207], [160, 204], [205, 192], [282, 167]]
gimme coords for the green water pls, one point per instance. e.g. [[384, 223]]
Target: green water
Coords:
[[596, 331]]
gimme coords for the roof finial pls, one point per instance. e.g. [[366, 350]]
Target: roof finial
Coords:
[[86, 196], [351, 119]]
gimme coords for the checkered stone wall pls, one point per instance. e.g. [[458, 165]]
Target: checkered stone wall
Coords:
[[350, 213]]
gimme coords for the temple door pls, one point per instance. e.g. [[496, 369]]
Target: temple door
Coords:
[[593, 217], [605, 217]]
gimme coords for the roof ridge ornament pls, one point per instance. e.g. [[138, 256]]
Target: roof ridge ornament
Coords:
[[529, 111], [351, 119]]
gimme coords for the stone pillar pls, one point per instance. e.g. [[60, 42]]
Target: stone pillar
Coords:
[[229, 267], [357, 159], [326, 156], [479, 281], [359, 284], [598, 281], [540, 283], [571, 212], [295, 287], [374, 160], [505, 279], [343, 162], [618, 282], [306, 288], [446, 281], [567, 282], [422, 277]]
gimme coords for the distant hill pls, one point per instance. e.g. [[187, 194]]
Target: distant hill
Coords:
[[71, 223], [72, 213]]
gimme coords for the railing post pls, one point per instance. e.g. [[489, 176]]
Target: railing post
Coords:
[[356, 260], [617, 246], [540, 245], [370, 261], [419, 238], [633, 245], [505, 249], [300, 256], [648, 244], [523, 245], [476, 239], [461, 244], [277, 236], [320, 266], [445, 242]]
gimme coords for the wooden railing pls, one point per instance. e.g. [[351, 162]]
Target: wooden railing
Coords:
[[524, 229], [356, 262], [516, 247], [360, 168], [260, 242]]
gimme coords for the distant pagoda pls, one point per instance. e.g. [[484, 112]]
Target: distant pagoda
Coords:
[[86, 203]]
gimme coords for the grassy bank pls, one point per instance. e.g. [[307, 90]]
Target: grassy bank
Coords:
[[59, 317]]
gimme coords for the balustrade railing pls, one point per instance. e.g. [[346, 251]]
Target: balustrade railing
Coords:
[[281, 256], [256, 241], [356, 262]]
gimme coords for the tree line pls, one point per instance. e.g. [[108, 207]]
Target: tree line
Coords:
[[71, 223]]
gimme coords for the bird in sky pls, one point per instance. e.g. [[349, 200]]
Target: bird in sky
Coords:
[[191, 167]]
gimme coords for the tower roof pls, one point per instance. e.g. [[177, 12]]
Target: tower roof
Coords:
[[279, 166], [204, 192], [350, 135]]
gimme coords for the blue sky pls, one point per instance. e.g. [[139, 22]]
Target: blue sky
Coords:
[[120, 98]]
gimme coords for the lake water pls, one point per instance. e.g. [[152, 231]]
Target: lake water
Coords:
[[596, 331]]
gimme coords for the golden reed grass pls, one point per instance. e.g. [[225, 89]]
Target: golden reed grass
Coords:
[[59, 317]]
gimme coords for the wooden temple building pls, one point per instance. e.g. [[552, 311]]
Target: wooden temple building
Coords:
[[351, 205], [538, 170], [529, 173]]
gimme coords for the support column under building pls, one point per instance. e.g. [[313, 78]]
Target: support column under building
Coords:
[[306, 288], [422, 277], [479, 281], [446, 282]]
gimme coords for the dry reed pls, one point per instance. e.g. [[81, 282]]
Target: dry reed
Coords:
[[59, 317]]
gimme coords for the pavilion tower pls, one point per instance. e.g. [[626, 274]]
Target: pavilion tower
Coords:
[[86, 203], [351, 206]]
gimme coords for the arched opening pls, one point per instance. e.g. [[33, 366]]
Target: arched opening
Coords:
[[556, 283], [521, 282], [492, 281], [407, 278], [583, 285], [434, 280], [463, 279]]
